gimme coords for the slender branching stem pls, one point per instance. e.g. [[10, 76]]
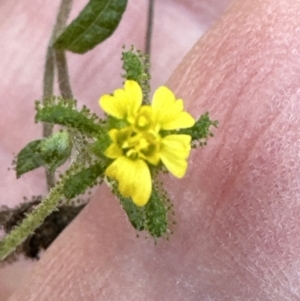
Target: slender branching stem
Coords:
[[20, 233], [63, 74], [61, 20], [47, 93], [149, 27]]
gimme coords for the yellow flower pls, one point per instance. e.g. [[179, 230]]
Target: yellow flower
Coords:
[[140, 142]]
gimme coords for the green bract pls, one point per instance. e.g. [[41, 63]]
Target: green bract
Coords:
[[64, 112], [136, 67]]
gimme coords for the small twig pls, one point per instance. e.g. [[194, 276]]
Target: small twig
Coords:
[[62, 17], [48, 81], [149, 28], [47, 93], [63, 74], [48, 85]]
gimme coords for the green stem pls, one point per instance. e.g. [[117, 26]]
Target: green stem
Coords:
[[47, 93], [20, 233], [63, 74], [149, 27], [62, 17], [61, 20]]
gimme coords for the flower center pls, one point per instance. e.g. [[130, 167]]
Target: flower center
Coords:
[[143, 121], [140, 145], [140, 140]]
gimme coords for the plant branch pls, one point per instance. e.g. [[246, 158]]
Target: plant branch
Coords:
[[20, 233], [63, 74], [48, 85], [62, 17], [48, 81], [149, 27]]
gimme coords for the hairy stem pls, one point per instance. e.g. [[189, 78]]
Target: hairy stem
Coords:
[[61, 19], [20, 233], [47, 93]]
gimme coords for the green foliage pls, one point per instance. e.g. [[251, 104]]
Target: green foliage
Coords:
[[29, 158], [50, 152], [156, 221], [96, 22], [136, 215], [153, 217], [136, 67], [57, 111], [56, 149], [201, 129], [29, 224], [79, 182]]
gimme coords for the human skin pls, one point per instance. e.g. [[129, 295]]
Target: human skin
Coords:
[[237, 211]]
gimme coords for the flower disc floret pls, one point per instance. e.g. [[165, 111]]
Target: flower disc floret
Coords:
[[140, 144]]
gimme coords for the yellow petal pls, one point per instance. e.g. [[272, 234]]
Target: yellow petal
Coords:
[[168, 112], [175, 150], [113, 134], [114, 106], [182, 120], [153, 158], [113, 151], [134, 179], [134, 97], [125, 103], [162, 99]]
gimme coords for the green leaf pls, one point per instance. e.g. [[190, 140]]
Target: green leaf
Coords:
[[136, 67], [96, 22], [70, 117], [29, 158], [136, 215], [153, 217], [56, 149], [156, 215], [201, 129], [84, 179], [50, 152]]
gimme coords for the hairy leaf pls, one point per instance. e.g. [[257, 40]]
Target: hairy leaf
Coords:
[[136, 67], [83, 180], [56, 149], [136, 215], [29, 158], [153, 217], [60, 114], [96, 22], [156, 215], [50, 152], [201, 129]]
